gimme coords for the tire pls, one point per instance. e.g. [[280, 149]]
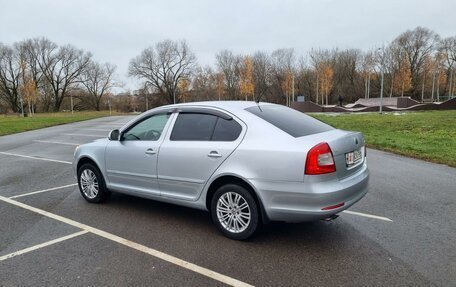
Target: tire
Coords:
[[237, 218], [91, 179]]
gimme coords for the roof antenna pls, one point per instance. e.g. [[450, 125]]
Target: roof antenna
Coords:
[[257, 101]]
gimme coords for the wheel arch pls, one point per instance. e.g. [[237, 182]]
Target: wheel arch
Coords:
[[86, 159], [232, 179]]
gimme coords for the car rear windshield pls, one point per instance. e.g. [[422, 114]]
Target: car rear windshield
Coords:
[[291, 121]]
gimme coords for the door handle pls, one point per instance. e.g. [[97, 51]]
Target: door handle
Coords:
[[214, 154], [150, 151]]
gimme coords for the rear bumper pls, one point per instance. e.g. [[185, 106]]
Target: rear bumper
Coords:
[[303, 201]]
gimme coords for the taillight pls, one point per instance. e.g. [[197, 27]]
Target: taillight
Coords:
[[320, 160]]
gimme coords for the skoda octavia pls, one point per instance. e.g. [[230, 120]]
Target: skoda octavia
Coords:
[[246, 163]]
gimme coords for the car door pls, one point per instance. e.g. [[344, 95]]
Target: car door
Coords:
[[198, 143], [131, 162]]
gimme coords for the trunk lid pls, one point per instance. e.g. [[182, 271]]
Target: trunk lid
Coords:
[[351, 142], [341, 143]]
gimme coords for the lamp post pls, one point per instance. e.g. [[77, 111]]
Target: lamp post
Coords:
[[292, 88], [22, 106], [382, 75], [71, 103]]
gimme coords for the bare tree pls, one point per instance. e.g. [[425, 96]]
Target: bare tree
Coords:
[[283, 67], [367, 67], [10, 76], [64, 70], [448, 46], [28, 50], [304, 79], [347, 84], [204, 84], [229, 65], [262, 74], [417, 44], [163, 66], [61, 67], [98, 79], [447, 51]]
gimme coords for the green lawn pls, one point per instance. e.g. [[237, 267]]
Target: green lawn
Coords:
[[428, 135], [15, 124]]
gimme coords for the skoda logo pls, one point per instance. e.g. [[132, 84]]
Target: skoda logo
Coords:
[[356, 141]]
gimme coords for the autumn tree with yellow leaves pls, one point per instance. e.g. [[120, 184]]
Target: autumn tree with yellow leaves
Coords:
[[325, 76], [183, 88], [246, 85], [219, 85], [402, 81], [29, 93]]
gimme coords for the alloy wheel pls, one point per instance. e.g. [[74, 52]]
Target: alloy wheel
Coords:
[[89, 183], [233, 212]]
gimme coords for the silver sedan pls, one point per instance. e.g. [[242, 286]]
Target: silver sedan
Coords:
[[246, 163]]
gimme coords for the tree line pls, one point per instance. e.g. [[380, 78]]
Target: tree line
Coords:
[[38, 74]]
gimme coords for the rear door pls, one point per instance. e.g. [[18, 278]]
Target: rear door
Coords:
[[199, 142]]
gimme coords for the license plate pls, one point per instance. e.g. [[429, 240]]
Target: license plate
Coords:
[[353, 157]]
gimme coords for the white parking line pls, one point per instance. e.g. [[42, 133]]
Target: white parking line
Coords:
[[53, 142], [86, 135], [104, 130], [35, 157], [38, 246], [367, 215], [142, 248], [44, 190]]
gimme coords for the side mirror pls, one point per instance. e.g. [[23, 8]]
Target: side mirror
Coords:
[[114, 135]]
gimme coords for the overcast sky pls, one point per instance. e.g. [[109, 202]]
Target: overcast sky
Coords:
[[116, 31]]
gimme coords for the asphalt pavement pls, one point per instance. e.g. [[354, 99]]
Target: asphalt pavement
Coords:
[[401, 233]]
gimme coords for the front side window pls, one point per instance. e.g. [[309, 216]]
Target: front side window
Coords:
[[149, 129]]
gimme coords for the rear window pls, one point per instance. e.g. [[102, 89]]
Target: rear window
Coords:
[[291, 121]]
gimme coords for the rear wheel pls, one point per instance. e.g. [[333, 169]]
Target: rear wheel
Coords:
[[91, 184], [235, 212]]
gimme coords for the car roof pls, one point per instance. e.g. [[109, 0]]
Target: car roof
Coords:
[[230, 106]]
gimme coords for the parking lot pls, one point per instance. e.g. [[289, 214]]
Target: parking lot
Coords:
[[401, 233]]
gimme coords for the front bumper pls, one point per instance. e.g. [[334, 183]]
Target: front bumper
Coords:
[[303, 201]]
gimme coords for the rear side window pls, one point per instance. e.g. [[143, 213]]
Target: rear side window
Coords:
[[193, 127], [226, 130], [291, 121], [204, 127]]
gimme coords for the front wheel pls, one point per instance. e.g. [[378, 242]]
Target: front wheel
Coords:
[[235, 212], [91, 184]]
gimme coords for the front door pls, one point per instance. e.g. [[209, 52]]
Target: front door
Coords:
[[131, 162]]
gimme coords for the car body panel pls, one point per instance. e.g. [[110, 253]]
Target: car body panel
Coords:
[[186, 166], [266, 158]]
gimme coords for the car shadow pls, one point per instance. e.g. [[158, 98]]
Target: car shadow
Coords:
[[200, 221]]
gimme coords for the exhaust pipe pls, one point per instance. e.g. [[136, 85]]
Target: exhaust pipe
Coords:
[[331, 218]]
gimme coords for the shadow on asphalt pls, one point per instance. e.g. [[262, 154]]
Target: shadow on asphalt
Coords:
[[317, 232]]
